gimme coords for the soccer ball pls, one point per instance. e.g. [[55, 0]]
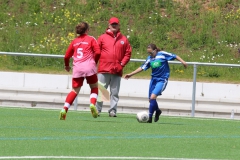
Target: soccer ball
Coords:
[[142, 117]]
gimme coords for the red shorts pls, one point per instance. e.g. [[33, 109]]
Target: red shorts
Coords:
[[78, 82]]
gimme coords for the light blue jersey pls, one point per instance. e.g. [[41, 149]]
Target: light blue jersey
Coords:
[[160, 71]]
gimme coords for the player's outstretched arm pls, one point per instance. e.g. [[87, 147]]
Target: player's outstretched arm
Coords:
[[127, 76], [182, 61]]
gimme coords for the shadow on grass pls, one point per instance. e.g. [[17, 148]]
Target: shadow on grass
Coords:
[[106, 121], [170, 123]]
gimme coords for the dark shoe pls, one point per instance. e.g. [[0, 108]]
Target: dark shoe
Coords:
[[112, 114], [149, 120], [158, 113], [99, 112]]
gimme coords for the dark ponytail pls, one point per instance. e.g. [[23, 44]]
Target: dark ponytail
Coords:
[[81, 28], [154, 47]]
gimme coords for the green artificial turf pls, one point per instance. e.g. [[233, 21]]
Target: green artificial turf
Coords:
[[39, 132]]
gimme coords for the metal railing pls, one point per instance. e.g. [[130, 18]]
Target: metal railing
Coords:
[[195, 65]]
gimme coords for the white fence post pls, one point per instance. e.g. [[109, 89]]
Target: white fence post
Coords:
[[75, 103], [194, 89]]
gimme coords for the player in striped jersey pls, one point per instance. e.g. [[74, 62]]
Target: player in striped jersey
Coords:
[[158, 61]]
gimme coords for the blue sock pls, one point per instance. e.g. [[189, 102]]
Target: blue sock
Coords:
[[152, 107], [156, 105]]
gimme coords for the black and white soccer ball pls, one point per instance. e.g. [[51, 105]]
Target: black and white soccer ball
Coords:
[[142, 117]]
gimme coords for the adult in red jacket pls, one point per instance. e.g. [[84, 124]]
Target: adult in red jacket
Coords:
[[115, 54]]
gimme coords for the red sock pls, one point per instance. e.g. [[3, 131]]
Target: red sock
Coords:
[[70, 98], [66, 108], [93, 96]]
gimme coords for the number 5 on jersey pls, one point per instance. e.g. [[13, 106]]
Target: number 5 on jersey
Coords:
[[79, 53]]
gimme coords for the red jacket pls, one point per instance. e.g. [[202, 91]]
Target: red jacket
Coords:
[[115, 53]]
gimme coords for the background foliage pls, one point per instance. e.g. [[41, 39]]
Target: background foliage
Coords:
[[196, 30]]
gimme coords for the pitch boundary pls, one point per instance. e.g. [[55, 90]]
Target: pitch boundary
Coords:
[[79, 157]]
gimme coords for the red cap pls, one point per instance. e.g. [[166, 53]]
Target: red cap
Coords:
[[113, 20]]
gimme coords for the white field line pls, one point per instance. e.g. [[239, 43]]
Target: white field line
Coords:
[[170, 116], [76, 157], [204, 118]]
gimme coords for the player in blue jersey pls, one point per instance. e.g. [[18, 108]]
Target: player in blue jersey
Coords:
[[158, 61]]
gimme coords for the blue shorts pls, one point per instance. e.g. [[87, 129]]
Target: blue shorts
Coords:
[[157, 87]]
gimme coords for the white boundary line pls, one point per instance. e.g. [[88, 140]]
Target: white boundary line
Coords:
[[171, 116], [76, 157]]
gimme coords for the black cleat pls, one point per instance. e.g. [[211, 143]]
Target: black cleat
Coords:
[[149, 120], [158, 113]]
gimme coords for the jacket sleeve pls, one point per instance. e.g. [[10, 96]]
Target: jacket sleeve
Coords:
[[127, 55], [69, 54], [97, 56], [96, 50]]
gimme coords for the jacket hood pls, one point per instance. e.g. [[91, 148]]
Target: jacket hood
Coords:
[[109, 32]]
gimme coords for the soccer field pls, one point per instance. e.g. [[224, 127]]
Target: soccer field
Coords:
[[39, 134]]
